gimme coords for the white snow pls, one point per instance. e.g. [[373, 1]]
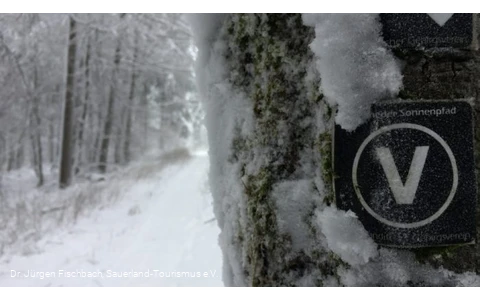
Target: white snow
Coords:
[[355, 66], [469, 279], [229, 114], [204, 28], [346, 236], [162, 226], [293, 200]]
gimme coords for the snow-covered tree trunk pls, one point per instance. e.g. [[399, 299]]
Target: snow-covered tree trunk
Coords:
[[270, 85], [124, 136], [68, 122], [84, 104], [109, 117], [36, 134], [3, 151], [131, 98]]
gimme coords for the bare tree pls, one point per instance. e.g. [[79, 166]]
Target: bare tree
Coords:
[[107, 129], [68, 121], [128, 129]]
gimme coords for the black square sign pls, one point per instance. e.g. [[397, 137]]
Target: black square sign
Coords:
[[409, 173], [427, 30]]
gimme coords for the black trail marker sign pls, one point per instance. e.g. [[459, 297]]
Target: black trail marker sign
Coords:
[[427, 30], [408, 173]]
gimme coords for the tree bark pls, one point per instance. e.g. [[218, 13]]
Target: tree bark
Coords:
[[68, 117], [10, 158], [35, 133], [131, 98], [3, 151], [84, 109], [51, 143], [109, 117], [145, 115], [118, 158], [19, 155], [269, 64], [95, 116]]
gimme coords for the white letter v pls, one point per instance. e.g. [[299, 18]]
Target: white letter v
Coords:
[[403, 194]]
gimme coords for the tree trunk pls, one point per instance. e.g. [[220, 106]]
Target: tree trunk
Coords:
[[131, 96], [3, 151], [145, 111], [35, 133], [10, 158], [59, 144], [68, 117], [107, 129], [95, 115], [84, 110], [271, 158], [19, 157], [51, 143], [95, 122], [119, 137], [36, 142]]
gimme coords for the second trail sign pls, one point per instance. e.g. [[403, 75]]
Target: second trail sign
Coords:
[[427, 30]]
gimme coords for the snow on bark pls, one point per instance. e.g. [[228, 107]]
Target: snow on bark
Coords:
[[257, 210], [226, 112], [346, 236], [270, 148], [354, 63], [205, 27]]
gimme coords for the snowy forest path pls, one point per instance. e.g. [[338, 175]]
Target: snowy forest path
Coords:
[[157, 232]]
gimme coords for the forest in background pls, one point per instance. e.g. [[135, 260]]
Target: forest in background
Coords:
[[86, 93]]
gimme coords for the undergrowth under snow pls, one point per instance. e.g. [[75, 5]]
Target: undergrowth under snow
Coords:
[[151, 215], [27, 213]]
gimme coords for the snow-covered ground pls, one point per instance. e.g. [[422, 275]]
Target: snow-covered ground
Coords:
[[160, 232]]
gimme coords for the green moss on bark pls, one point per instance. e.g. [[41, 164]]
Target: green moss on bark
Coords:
[[269, 57], [325, 149]]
